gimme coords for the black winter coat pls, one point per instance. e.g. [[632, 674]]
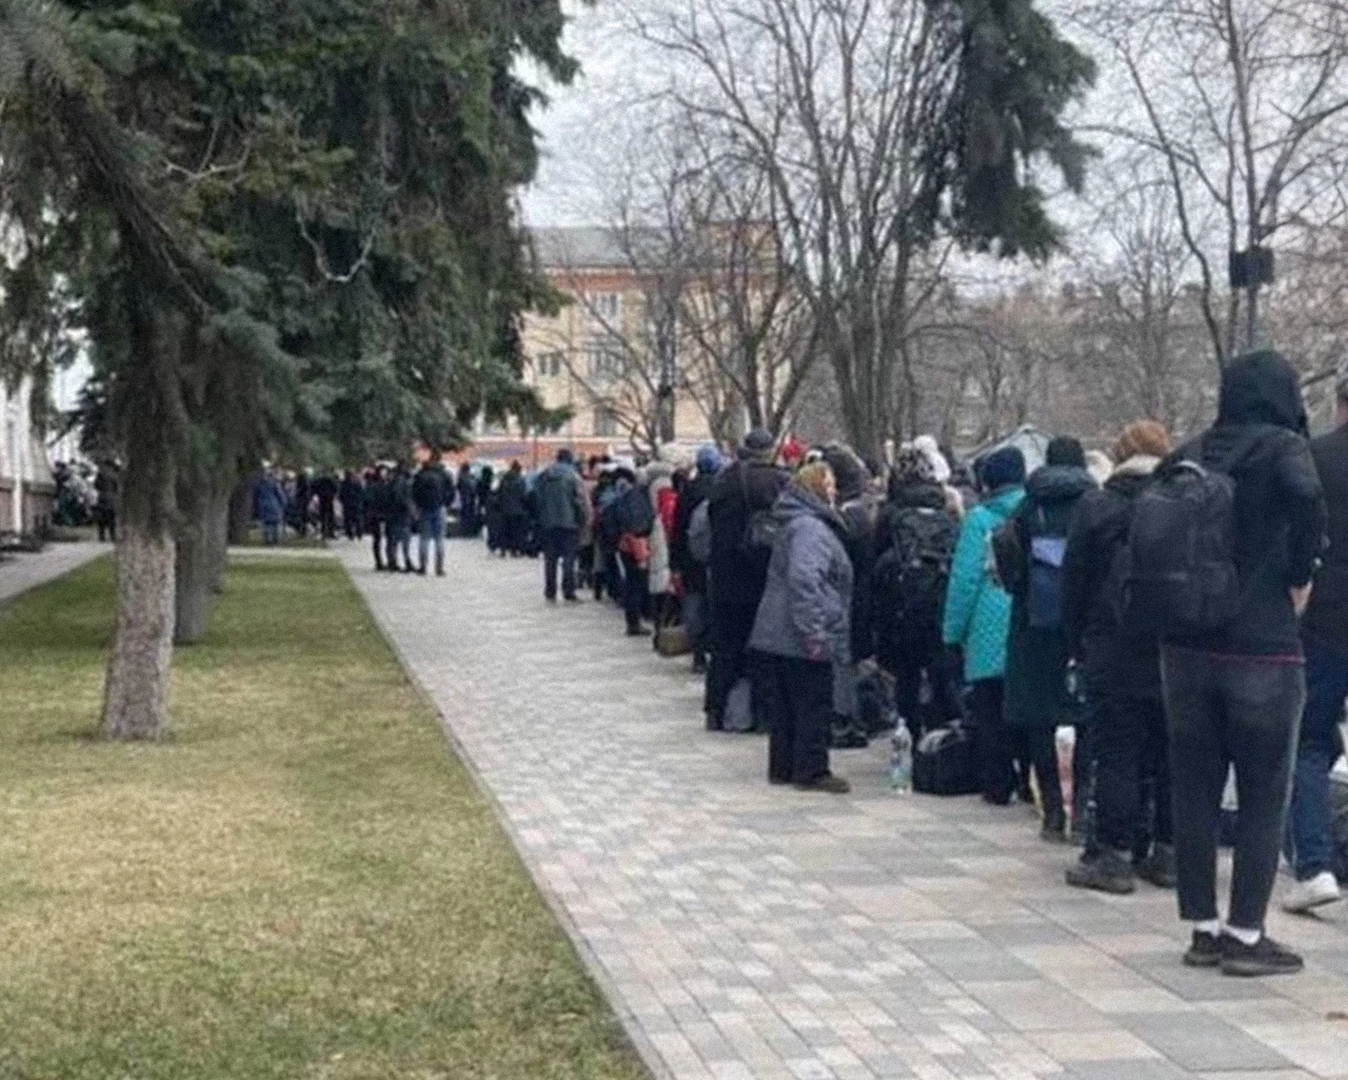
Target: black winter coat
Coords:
[[681, 558], [1327, 617], [513, 495], [1110, 661], [861, 515], [1260, 440], [430, 488], [738, 577], [1036, 657]]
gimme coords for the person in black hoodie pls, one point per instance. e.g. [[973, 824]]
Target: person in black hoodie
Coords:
[[1036, 656], [1121, 674], [1234, 695], [738, 569], [375, 500], [513, 496], [916, 543], [325, 490], [352, 495], [1325, 633]]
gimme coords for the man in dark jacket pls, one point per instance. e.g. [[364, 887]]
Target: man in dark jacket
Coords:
[[353, 505], [376, 500], [468, 506], [562, 511], [1235, 695], [431, 492], [738, 568], [325, 490], [398, 518], [692, 573], [1121, 674], [513, 506], [1325, 634]]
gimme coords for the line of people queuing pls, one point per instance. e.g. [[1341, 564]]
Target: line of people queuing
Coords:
[[1161, 606]]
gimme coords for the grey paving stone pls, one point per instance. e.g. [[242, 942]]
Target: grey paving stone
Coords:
[[1199, 1042], [22, 571], [746, 932]]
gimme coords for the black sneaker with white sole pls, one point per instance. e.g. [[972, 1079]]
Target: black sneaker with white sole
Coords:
[[1264, 957], [1205, 951]]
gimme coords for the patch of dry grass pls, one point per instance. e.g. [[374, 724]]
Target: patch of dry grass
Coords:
[[302, 883]]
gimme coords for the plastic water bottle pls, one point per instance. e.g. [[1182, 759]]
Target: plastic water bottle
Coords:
[[901, 758]]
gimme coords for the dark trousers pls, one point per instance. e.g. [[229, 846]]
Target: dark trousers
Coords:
[[1036, 747], [987, 698], [398, 537], [731, 626], [635, 600], [327, 519], [1310, 830], [1224, 711], [799, 706], [925, 656], [375, 527], [351, 522], [517, 534], [1132, 768], [107, 525], [559, 545]]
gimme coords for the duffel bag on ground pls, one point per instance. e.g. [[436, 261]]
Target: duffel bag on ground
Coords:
[[946, 762]]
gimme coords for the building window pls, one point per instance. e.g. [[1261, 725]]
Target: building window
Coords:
[[604, 360], [606, 306], [556, 368], [605, 422]]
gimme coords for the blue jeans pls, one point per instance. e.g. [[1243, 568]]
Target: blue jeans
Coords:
[[271, 532], [1310, 828], [433, 530]]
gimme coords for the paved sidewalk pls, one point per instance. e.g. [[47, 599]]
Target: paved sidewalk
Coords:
[[20, 572], [749, 932]]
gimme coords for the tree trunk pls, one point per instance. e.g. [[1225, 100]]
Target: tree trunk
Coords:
[[217, 534], [192, 575], [135, 701], [240, 511]]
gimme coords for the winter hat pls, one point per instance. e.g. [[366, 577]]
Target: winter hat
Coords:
[[941, 467], [708, 460], [1065, 450], [1002, 468], [848, 471], [758, 444], [912, 466], [1142, 437]]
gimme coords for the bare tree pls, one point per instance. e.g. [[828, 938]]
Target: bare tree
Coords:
[[1243, 103], [852, 109]]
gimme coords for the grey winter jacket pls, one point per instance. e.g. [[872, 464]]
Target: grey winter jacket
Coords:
[[806, 608], [561, 497]]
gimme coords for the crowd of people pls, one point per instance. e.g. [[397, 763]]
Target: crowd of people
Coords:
[[1182, 610]]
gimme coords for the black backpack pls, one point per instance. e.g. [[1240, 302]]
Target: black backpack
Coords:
[[912, 576], [1177, 572], [946, 762]]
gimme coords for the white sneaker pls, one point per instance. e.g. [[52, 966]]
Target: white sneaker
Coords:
[[1305, 896]]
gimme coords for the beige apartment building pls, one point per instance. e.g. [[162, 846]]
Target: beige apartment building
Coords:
[[606, 356]]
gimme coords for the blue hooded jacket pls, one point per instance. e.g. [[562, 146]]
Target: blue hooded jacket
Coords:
[[977, 609]]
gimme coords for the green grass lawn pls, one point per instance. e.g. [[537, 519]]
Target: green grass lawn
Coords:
[[302, 883]]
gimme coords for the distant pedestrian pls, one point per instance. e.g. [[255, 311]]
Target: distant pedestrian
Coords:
[[398, 514], [352, 495], [269, 506], [376, 503], [325, 491], [563, 510], [513, 498], [430, 493], [1325, 633], [107, 485], [740, 513]]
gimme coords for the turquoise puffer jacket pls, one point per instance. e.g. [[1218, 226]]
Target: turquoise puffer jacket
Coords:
[[977, 610]]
